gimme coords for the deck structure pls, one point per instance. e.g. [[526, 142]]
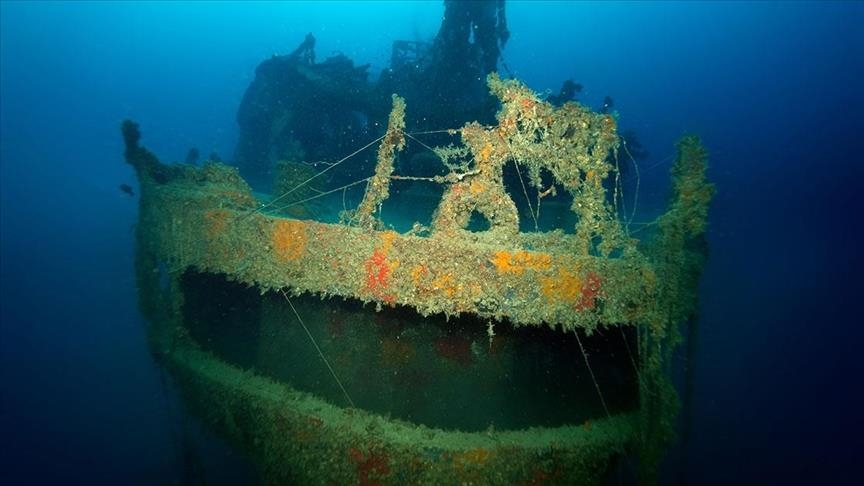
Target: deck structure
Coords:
[[594, 276]]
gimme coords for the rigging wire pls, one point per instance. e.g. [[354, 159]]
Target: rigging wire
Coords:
[[340, 161], [314, 343], [629, 352], [323, 193], [298, 186], [638, 180], [591, 372], [527, 199]]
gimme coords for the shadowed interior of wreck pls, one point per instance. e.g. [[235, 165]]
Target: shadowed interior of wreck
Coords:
[[426, 370]]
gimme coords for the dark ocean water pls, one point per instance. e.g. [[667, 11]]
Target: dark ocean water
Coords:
[[773, 88]]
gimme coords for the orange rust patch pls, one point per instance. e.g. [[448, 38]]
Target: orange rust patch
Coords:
[[477, 188], [517, 263], [474, 456], [217, 221], [485, 152], [289, 239], [372, 467], [468, 465]]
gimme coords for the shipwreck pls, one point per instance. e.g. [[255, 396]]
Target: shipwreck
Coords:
[[344, 351]]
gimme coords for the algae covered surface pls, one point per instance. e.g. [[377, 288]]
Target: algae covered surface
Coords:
[[573, 280], [556, 279]]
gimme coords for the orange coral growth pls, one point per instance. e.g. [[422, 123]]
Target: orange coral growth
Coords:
[[469, 464], [507, 126], [477, 188], [566, 286], [474, 456], [289, 239], [217, 220], [445, 283], [417, 273], [516, 263], [378, 268], [485, 152], [387, 238]]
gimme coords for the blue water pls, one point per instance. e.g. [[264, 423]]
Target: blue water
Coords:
[[773, 88]]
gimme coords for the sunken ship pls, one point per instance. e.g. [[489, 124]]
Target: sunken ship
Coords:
[[378, 297]]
